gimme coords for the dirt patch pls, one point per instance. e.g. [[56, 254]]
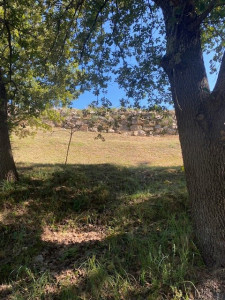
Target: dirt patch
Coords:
[[211, 286], [78, 235], [65, 248], [5, 290]]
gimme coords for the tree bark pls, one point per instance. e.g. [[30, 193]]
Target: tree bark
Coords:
[[200, 117], [204, 163], [7, 165]]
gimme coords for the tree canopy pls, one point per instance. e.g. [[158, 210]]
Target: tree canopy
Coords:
[[38, 70], [127, 40], [53, 50]]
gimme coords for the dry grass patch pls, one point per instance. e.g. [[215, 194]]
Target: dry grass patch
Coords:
[[50, 148]]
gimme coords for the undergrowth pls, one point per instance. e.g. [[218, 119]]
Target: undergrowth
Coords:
[[146, 250]]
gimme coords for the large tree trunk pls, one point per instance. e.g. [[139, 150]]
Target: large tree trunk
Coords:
[[7, 165], [200, 117], [204, 163]]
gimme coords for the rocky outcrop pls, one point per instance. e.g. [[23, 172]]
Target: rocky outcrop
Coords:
[[123, 121]]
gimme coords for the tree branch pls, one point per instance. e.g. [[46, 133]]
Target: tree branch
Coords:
[[220, 83], [73, 20], [92, 28], [204, 15], [162, 4], [9, 38], [3, 95], [10, 48], [69, 6]]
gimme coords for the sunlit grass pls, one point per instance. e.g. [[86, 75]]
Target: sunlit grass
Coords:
[[85, 149]]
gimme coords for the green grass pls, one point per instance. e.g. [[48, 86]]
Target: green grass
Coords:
[[104, 231]]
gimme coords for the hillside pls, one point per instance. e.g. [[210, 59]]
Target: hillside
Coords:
[[112, 224]]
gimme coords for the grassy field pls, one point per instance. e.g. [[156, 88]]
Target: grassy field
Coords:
[[50, 148], [112, 224]]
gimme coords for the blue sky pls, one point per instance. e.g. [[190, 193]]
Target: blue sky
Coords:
[[114, 93]]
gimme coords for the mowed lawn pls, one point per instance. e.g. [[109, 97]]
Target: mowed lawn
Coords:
[[112, 224], [51, 147]]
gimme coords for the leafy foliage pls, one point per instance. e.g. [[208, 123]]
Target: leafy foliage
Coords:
[[37, 70], [125, 41], [53, 50]]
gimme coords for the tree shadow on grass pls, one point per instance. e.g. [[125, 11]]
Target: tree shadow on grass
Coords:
[[109, 231]]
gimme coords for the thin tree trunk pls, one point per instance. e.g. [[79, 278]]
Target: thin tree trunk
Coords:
[[7, 165], [68, 147]]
